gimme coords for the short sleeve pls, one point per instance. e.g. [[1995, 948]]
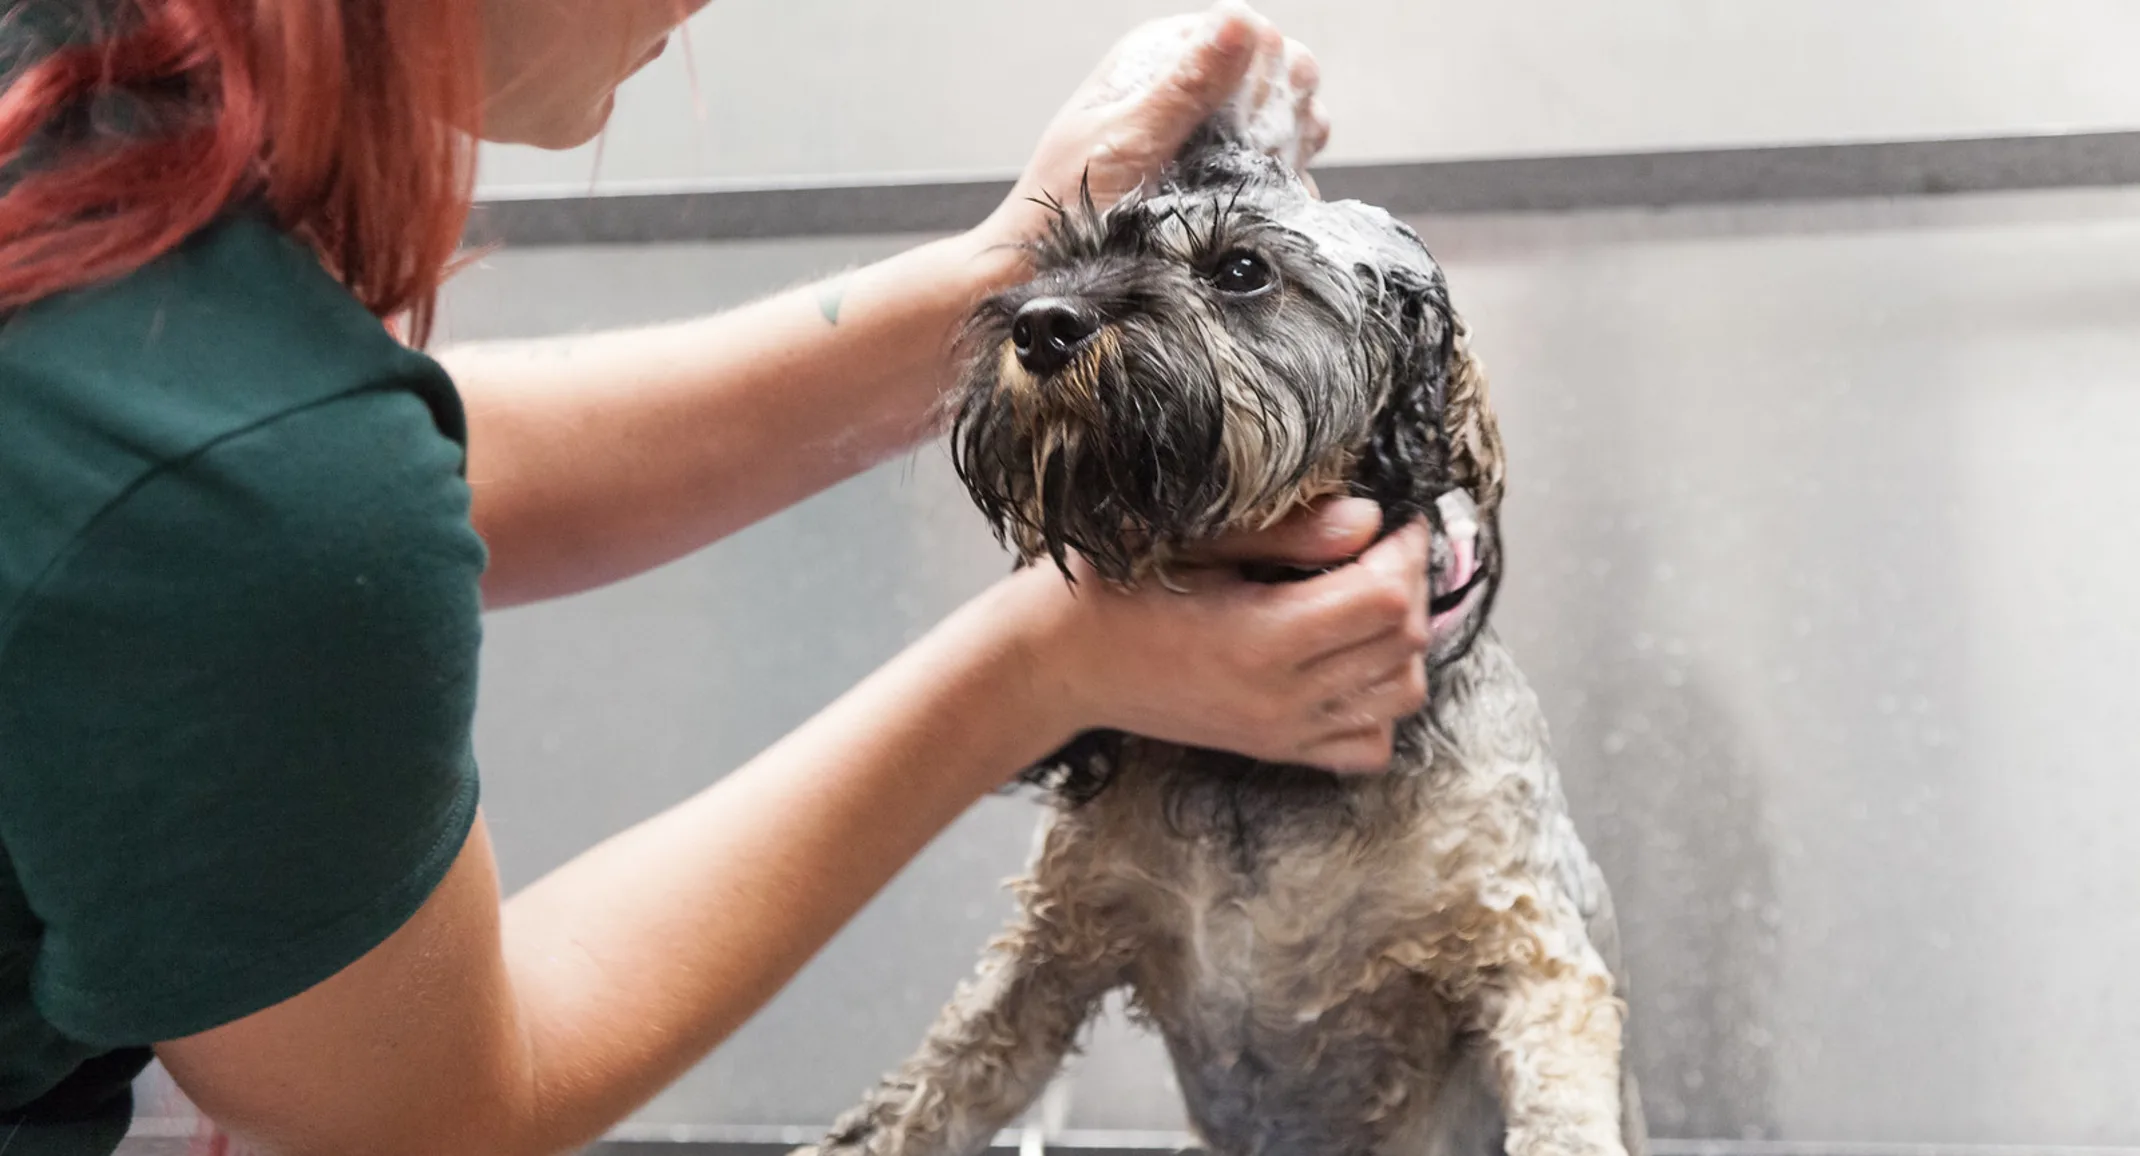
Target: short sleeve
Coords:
[[235, 720]]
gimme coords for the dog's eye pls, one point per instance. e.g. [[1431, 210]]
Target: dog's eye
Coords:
[[1242, 274]]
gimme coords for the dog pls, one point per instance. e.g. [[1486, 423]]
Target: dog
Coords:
[[1423, 963]]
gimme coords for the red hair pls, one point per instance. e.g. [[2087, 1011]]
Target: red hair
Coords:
[[350, 120]]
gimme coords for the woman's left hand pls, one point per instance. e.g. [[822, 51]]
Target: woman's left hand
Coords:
[[1151, 91]]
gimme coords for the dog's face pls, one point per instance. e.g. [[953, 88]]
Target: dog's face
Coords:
[[1215, 356]]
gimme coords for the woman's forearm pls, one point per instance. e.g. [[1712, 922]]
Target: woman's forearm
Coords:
[[530, 1029], [593, 458], [634, 959]]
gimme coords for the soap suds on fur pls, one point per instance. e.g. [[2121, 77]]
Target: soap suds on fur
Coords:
[[1353, 234]]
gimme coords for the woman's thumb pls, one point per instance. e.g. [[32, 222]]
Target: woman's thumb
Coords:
[[1327, 535]]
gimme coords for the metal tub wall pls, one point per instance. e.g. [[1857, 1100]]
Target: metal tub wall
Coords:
[[1823, 528]]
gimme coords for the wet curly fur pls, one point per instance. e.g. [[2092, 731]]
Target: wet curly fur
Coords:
[[1421, 962]]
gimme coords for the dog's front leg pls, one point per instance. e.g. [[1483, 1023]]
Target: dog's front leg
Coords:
[[1553, 1026], [991, 1052]]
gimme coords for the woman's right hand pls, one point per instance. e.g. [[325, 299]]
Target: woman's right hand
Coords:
[[1315, 672], [1162, 80]]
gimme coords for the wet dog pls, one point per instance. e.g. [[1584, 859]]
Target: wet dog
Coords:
[[1424, 962]]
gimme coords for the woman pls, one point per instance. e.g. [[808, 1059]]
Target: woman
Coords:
[[241, 573]]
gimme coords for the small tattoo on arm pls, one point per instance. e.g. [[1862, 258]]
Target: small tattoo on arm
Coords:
[[829, 299]]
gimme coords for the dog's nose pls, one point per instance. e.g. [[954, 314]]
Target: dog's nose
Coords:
[[1047, 333]]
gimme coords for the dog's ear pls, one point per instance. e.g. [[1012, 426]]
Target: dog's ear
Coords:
[[1400, 461], [1435, 411], [1468, 423]]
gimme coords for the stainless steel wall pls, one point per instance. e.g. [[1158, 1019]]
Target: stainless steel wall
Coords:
[[1823, 526]]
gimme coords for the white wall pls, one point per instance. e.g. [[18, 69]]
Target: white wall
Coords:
[[839, 88]]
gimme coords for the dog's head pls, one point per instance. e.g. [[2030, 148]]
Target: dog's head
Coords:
[[1215, 355]]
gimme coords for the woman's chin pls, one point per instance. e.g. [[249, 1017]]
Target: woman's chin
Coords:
[[554, 130]]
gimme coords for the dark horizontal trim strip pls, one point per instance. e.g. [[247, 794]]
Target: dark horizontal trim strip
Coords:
[[1911, 168], [1548, 184], [737, 214]]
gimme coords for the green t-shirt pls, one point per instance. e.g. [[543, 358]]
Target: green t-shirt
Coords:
[[238, 636]]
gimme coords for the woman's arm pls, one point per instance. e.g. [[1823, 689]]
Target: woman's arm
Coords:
[[467, 1034], [594, 458]]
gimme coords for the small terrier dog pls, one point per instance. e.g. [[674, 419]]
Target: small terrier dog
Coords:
[[1423, 963]]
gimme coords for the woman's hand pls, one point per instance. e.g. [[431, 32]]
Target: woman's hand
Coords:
[[1314, 672], [1151, 91]]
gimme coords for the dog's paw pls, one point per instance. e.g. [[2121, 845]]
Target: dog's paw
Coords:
[[833, 1146], [1564, 1142], [849, 1136]]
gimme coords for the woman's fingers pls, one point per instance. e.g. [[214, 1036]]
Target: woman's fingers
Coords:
[[1264, 75], [1396, 692], [1363, 751], [1311, 123], [1324, 535], [1370, 665], [1314, 131], [1384, 592], [1303, 72], [1149, 93]]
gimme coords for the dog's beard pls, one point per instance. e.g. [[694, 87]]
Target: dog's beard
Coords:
[[1159, 435]]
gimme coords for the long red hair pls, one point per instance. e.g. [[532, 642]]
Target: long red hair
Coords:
[[350, 120]]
